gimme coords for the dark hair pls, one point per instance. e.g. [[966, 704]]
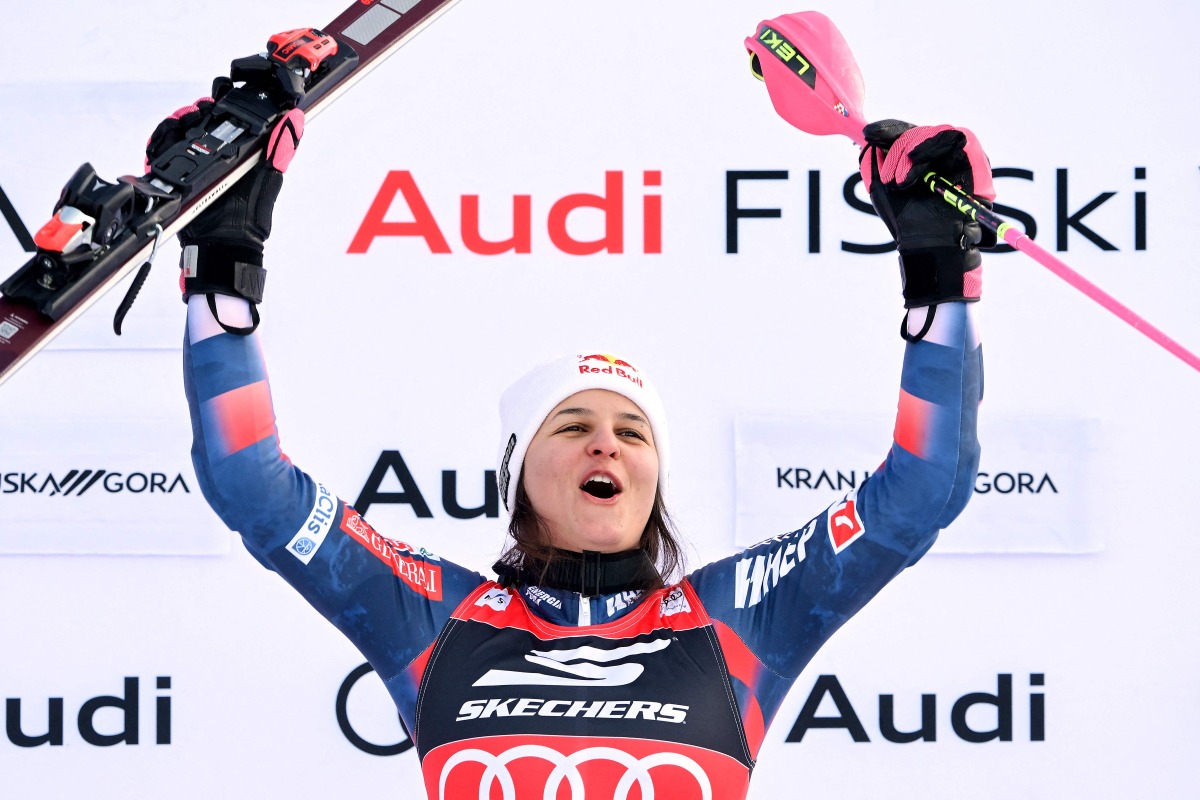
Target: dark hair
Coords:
[[531, 551]]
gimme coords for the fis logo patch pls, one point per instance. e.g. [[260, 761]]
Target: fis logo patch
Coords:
[[496, 599]]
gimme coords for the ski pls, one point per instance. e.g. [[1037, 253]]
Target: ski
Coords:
[[102, 230]]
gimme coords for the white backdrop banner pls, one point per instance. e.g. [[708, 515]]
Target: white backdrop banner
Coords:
[[533, 177], [105, 470], [1034, 492]]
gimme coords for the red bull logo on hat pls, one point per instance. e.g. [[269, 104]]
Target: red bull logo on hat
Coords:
[[608, 358], [611, 366]]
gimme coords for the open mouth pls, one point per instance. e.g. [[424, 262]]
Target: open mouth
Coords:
[[601, 487]]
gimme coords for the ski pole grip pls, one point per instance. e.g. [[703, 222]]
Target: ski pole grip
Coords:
[[1007, 232], [968, 205]]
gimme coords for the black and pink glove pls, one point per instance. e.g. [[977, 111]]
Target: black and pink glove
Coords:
[[939, 245], [223, 247]]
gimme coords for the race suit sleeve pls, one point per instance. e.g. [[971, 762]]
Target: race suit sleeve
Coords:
[[389, 599], [777, 602]]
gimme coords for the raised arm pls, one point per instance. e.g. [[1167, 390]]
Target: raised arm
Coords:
[[390, 600], [779, 601]]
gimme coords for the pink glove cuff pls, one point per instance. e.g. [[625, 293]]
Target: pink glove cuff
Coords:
[[285, 138]]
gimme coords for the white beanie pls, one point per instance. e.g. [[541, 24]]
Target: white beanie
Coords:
[[525, 405]]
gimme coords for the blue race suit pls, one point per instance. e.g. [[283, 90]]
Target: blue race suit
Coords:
[[521, 692]]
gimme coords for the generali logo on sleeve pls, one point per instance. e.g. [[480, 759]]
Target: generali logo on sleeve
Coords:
[[424, 577], [844, 523]]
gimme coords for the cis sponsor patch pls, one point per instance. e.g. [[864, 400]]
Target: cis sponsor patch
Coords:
[[312, 534], [844, 523]]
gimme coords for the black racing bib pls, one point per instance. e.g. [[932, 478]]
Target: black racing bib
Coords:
[[510, 700]]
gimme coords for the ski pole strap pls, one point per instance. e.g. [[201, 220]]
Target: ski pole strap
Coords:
[[139, 280], [254, 318], [905, 333]]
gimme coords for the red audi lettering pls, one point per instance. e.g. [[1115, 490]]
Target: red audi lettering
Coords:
[[611, 205], [375, 224], [563, 215]]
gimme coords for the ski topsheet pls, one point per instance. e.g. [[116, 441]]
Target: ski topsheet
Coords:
[[102, 231]]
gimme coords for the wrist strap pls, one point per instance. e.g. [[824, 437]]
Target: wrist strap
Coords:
[[254, 318], [904, 334], [935, 275], [229, 270]]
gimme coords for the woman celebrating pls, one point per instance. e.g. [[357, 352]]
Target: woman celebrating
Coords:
[[586, 667]]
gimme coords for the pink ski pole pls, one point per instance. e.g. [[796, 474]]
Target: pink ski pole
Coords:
[[817, 87], [1010, 234]]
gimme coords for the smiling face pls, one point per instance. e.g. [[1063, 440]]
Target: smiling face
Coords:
[[591, 472]]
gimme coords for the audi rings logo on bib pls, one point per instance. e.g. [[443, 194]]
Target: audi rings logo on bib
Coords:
[[580, 769]]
